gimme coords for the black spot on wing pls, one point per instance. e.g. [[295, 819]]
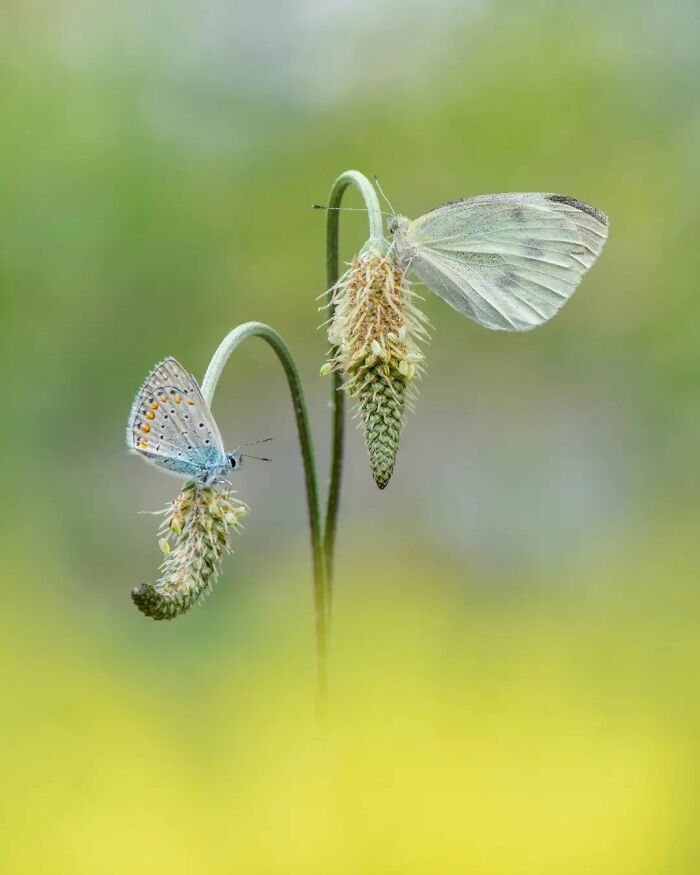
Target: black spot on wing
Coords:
[[579, 205], [507, 281]]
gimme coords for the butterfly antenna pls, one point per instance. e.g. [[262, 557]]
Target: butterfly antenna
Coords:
[[258, 458], [252, 443], [381, 192], [345, 209]]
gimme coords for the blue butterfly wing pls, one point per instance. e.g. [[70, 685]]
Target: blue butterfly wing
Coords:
[[171, 426]]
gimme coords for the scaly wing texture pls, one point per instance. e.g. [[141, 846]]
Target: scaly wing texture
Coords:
[[508, 261], [171, 425]]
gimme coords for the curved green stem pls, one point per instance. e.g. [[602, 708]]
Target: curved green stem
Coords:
[[374, 213], [211, 378]]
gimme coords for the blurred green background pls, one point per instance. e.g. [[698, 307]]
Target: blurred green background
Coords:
[[517, 621]]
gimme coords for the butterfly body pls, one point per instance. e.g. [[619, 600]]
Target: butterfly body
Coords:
[[204, 465], [507, 261], [171, 426]]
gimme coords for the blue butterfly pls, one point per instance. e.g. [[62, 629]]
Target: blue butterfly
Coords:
[[171, 426]]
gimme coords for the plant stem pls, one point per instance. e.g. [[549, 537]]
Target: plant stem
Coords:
[[211, 378], [374, 213]]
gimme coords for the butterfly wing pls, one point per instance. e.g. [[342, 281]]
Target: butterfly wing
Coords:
[[508, 261], [170, 424]]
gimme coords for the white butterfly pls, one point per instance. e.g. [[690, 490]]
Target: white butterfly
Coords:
[[508, 261]]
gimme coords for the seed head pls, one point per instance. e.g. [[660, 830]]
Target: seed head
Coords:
[[194, 536], [374, 332]]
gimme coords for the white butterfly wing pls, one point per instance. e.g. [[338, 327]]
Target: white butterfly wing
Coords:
[[508, 261], [171, 425]]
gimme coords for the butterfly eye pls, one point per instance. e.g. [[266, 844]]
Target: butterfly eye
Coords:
[[234, 461]]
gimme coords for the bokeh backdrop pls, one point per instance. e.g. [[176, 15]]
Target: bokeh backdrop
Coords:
[[517, 618]]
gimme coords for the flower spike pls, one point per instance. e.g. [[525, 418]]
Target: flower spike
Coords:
[[374, 332], [194, 537]]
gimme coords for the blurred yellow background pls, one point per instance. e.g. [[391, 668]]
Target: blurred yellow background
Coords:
[[516, 645]]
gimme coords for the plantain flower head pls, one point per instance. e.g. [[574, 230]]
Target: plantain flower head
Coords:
[[194, 536], [374, 332]]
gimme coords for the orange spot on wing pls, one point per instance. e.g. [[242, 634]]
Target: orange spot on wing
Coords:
[[163, 397], [145, 428], [154, 406], [150, 415], [190, 401], [177, 399], [143, 443]]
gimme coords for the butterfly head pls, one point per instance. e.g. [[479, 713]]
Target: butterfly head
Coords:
[[398, 227], [398, 224], [235, 458]]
